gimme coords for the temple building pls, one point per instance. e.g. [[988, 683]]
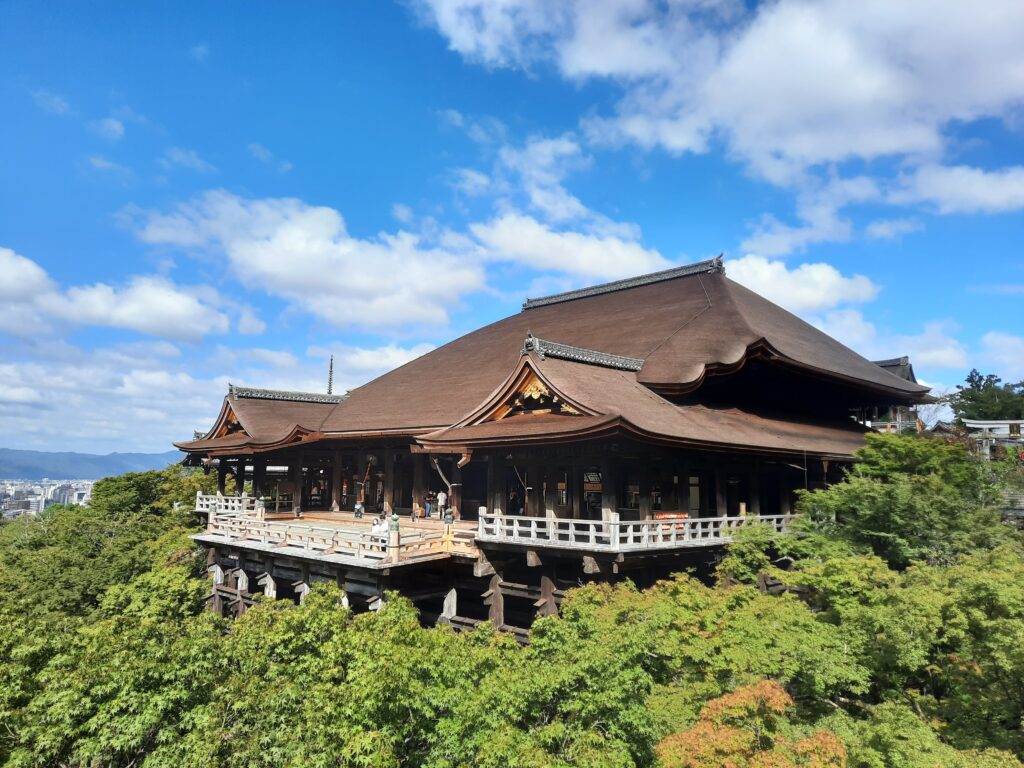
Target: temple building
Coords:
[[618, 431]]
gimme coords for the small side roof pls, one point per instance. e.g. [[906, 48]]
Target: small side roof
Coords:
[[898, 366], [260, 417]]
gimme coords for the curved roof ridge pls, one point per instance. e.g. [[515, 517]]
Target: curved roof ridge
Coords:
[[697, 268], [255, 393], [576, 354]]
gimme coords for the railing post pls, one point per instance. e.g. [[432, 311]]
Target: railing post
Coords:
[[394, 539]]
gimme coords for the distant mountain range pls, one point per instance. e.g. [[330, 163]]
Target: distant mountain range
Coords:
[[35, 465]]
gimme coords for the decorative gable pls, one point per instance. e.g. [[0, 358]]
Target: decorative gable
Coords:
[[531, 396]]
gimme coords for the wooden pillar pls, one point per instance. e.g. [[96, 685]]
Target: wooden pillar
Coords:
[[419, 484], [497, 485], [785, 495], [495, 602], [646, 484], [456, 495], [336, 481], [548, 606], [361, 478], [491, 482], [389, 481], [551, 497], [239, 477], [609, 500], [222, 475], [451, 605], [534, 499], [295, 470], [259, 475], [754, 503], [721, 498]]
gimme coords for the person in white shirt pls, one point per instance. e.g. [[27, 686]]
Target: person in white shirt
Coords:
[[442, 503]]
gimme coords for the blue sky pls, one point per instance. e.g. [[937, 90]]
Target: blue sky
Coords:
[[197, 193]]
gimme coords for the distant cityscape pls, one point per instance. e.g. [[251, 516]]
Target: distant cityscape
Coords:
[[30, 497]]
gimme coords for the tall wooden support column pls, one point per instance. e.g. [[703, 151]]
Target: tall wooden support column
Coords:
[[548, 605], [419, 482], [336, 481], [721, 497], [361, 488], [222, 476], [491, 474], [646, 486], [240, 477], [785, 495], [297, 477], [496, 484], [754, 503], [389, 481], [551, 497], [534, 499], [495, 601], [609, 500], [259, 475], [456, 500]]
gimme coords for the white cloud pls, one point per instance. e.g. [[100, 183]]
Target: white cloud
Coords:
[[402, 213], [470, 182], [1005, 353], [264, 155], [963, 189], [481, 130], [53, 103], [110, 128], [151, 305], [891, 229], [176, 157], [366, 363], [305, 255], [101, 163], [806, 288], [524, 240], [791, 89], [200, 52], [818, 207], [21, 278], [249, 324], [540, 166], [934, 347]]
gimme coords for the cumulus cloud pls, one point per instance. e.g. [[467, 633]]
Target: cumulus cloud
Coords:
[[523, 239], [109, 128], [891, 229], [963, 189], [790, 89], [155, 306], [806, 288], [53, 103], [1005, 353], [265, 156], [304, 254], [189, 159], [935, 347]]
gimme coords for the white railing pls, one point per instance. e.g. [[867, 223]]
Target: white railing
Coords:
[[242, 519], [220, 505], [619, 536]]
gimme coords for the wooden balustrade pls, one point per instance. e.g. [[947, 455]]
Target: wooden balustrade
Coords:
[[242, 520], [616, 535]]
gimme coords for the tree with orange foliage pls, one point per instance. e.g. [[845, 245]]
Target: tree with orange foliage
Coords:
[[741, 730]]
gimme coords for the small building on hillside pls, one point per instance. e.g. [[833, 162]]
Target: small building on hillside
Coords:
[[624, 429]]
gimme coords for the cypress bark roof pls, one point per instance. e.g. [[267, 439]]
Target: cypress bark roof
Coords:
[[659, 334]]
